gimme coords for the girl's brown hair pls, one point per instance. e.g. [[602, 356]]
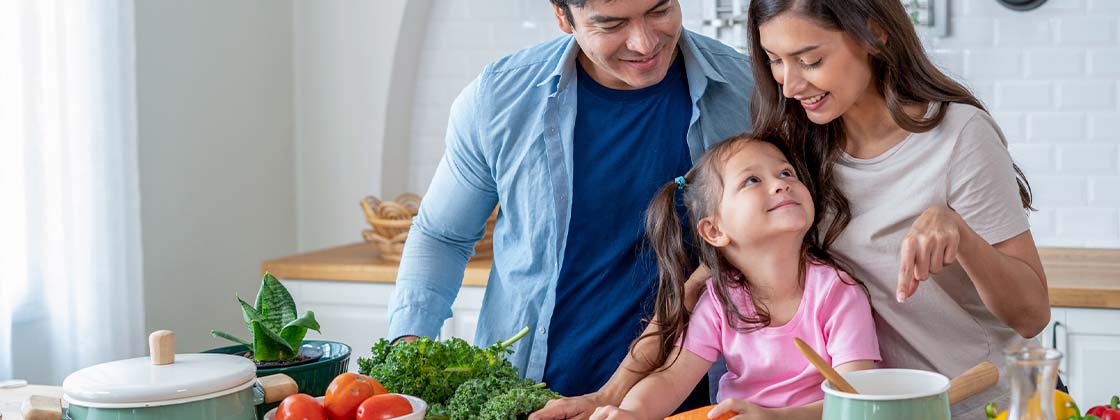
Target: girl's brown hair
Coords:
[[901, 72], [701, 198]]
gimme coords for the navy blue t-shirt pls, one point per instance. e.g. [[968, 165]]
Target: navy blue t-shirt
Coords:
[[627, 144]]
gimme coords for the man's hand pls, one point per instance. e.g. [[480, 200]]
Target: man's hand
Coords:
[[611, 412], [579, 408]]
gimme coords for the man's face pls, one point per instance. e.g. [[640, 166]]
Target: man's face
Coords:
[[625, 44]]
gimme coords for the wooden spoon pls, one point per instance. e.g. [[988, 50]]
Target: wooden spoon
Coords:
[[972, 381], [829, 373]]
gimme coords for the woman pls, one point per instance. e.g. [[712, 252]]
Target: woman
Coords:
[[919, 194]]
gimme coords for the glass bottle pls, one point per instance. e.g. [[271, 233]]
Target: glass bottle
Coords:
[[1033, 371]]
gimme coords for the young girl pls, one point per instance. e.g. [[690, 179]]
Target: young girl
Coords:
[[924, 201], [752, 220]]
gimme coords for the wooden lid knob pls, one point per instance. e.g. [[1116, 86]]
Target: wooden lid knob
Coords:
[[161, 345]]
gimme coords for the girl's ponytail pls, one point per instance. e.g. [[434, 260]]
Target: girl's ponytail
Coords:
[[666, 237]]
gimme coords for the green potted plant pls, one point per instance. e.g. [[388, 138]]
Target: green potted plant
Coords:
[[277, 342]]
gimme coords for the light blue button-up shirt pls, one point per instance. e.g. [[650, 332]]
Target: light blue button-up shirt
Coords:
[[509, 140]]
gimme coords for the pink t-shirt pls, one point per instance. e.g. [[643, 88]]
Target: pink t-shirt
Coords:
[[764, 367]]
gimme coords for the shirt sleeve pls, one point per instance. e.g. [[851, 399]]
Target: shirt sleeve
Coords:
[[451, 219], [849, 330], [982, 183], [705, 327]]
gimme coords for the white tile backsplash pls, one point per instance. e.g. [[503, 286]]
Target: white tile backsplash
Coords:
[[1018, 95], [1104, 62], [1049, 76], [1087, 95], [1056, 126], [1055, 63], [1089, 159]]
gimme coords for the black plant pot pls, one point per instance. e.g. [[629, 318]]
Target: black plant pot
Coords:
[[312, 377]]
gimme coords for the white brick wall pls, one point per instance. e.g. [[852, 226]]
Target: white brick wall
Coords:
[[1049, 76]]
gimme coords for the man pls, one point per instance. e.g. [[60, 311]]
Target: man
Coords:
[[572, 137]]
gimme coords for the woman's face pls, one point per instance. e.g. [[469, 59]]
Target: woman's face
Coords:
[[826, 71]]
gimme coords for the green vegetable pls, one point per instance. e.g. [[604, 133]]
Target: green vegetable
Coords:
[[516, 403], [473, 394], [455, 378], [276, 331]]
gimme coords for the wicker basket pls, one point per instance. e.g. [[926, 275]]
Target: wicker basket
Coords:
[[391, 220]]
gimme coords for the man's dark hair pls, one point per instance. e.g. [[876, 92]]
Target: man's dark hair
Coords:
[[567, 6]]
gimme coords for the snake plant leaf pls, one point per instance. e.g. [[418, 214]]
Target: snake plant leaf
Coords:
[[266, 348], [294, 332], [231, 337], [274, 303], [267, 343]]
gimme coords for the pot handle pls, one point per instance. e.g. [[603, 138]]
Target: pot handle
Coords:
[[39, 407], [972, 381], [273, 388]]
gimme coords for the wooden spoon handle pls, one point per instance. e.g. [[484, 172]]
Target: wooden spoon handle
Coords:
[[829, 373], [972, 381]]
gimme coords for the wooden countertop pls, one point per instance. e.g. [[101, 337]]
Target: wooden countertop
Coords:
[[1078, 277], [355, 262]]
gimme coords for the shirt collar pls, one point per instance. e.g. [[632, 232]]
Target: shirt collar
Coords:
[[694, 63]]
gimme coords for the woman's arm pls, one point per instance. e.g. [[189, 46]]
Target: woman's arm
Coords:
[[628, 373], [1008, 275]]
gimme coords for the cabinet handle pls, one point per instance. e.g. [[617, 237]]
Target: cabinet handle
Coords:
[[1054, 335], [1054, 343]]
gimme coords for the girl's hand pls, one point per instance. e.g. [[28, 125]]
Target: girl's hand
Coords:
[[743, 410], [611, 412], [931, 245]]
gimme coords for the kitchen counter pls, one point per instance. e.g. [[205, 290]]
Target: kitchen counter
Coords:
[[1078, 277]]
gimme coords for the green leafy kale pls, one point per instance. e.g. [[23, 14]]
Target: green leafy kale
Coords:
[[516, 403], [473, 394], [455, 378], [277, 333]]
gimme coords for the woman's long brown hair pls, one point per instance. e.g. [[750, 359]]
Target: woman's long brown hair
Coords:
[[666, 236], [901, 72]]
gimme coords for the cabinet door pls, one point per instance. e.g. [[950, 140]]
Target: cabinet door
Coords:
[[464, 318], [348, 312], [1054, 336], [1093, 345]]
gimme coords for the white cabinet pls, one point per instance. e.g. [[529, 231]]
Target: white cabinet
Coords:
[[356, 313], [1089, 339]]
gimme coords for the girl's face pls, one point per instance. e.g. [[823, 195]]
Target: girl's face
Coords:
[[826, 71], [762, 198]]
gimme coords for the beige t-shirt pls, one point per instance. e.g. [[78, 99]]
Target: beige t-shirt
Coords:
[[944, 327]]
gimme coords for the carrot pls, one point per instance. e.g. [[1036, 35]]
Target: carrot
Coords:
[[699, 414]]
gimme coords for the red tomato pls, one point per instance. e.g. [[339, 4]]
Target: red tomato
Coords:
[[384, 407], [346, 392], [300, 407]]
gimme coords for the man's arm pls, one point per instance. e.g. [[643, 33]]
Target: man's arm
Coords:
[[452, 217], [628, 373]]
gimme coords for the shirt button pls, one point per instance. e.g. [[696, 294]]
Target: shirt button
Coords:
[[542, 330]]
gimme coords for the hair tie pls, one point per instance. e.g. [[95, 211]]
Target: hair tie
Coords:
[[681, 183]]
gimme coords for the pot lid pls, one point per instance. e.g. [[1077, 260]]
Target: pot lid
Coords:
[[146, 380], [138, 381]]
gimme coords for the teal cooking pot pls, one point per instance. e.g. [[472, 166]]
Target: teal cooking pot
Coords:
[[904, 393], [166, 386]]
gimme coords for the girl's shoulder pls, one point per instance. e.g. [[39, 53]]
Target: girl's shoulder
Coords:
[[825, 283]]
